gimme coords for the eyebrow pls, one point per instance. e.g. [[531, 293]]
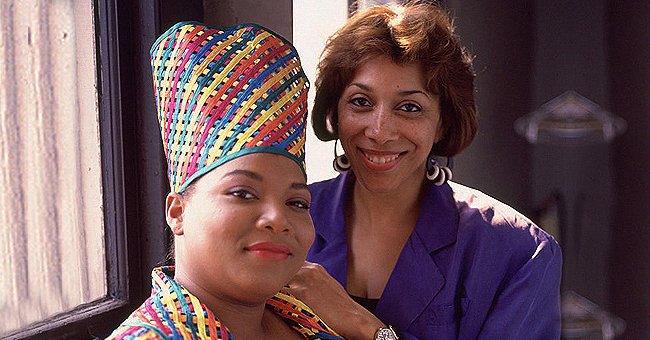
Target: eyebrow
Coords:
[[299, 186], [257, 177], [249, 174], [404, 93]]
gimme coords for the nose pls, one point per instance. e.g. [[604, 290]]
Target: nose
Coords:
[[274, 219], [380, 125]]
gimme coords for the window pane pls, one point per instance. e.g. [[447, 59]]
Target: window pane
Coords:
[[51, 215]]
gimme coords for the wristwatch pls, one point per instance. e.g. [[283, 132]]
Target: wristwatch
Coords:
[[386, 333]]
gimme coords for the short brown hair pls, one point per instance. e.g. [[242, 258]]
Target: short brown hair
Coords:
[[414, 32]]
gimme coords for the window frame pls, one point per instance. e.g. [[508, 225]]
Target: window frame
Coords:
[[133, 165]]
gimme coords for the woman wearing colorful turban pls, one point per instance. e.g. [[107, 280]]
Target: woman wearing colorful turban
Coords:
[[232, 106]]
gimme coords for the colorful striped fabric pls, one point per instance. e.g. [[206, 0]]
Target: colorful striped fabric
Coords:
[[166, 316], [223, 92], [300, 317]]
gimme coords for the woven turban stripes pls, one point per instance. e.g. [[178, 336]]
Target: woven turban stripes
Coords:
[[223, 92]]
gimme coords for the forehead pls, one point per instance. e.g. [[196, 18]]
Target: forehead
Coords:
[[383, 70], [262, 167]]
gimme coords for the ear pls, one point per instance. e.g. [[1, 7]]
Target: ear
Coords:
[[174, 210], [332, 122]]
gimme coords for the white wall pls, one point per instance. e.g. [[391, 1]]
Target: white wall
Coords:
[[313, 22]]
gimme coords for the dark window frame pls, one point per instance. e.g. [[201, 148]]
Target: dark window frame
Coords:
[[133, 165]]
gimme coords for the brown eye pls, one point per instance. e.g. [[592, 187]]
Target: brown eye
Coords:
[[243, 194], [300, 204], [409, 107], [360, 101]]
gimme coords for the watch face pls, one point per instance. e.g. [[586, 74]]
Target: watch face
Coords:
[[385, 334]]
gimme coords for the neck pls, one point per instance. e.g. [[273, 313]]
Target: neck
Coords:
[[244, 320], [384, 208]]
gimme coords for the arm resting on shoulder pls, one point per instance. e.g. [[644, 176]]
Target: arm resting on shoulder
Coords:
[[329, 300]]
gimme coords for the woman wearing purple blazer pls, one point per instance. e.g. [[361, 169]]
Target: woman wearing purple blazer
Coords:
[[400, 251]]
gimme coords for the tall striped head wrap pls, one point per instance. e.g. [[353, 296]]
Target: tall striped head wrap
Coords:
[[224, 92]]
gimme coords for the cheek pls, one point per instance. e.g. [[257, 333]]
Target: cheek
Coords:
[[436, 123], [437, 130], [429, 137], [305, 234], [342, 123], [424, 133], [218, 225], [349, 126], [348, 121]]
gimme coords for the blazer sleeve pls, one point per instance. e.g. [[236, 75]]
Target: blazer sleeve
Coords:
[[406, 336], [529, 305]]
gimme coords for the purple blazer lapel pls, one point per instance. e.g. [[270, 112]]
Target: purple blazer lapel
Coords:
[[416, 279], [330, 246]]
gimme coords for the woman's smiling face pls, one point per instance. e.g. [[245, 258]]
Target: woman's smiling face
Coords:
[[245, 228], [387, 123]]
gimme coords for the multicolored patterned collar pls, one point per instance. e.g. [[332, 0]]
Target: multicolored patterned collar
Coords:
[[163, 315]]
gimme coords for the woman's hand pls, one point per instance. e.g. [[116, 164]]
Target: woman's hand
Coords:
[[329, 300]]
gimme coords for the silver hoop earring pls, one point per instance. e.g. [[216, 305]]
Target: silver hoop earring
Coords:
[[439, 174], [341, 163]]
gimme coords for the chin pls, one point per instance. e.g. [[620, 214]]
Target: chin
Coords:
[[254, 294], [264, 284]]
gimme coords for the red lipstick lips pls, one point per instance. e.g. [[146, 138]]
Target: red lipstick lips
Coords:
[[270, 250]]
